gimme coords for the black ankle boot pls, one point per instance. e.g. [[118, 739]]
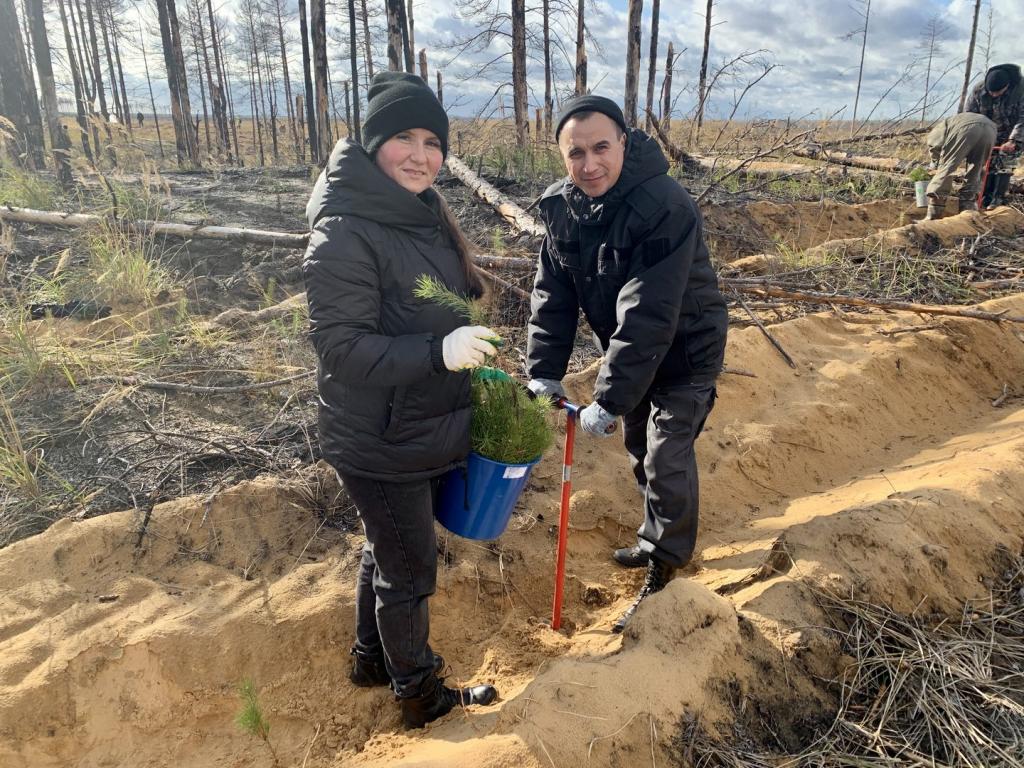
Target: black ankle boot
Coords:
[[631, 557], [369, 671], [658, 575], [435, 700]]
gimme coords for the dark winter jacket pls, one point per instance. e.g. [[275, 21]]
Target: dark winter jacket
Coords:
[[388, 408], [635, 261], [1007, 112]]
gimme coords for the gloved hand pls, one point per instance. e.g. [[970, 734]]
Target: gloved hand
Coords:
[[468, 346], [596, 420], [546, 388], [1009, 147]]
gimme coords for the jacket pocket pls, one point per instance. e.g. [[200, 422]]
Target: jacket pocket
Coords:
[[568, 254], [393, 413], [613, 262]]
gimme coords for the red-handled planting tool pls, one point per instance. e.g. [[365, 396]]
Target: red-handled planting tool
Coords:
[[572, 415]]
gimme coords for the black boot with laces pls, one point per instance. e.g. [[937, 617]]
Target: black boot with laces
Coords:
[[658, 575], [435, 700]]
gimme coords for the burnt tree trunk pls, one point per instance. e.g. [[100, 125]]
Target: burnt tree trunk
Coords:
[[181, 112], [314, 143], [549, 106], [318, 20], [354, 128], [581, 50], [115, 35], [395, 37], [521, 113], [666, 90], [18, 100], [59, 142], [367, 47], [703, 81], [636, 9], [652, 64]]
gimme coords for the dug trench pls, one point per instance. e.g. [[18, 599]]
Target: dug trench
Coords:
[[878, 467]]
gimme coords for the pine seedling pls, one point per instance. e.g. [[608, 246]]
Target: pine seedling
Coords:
[[508, 426], [251, 718], [432, 289]]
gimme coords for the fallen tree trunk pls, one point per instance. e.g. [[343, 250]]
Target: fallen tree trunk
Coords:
[[508, 210], [873, 136], [887, 164], [292, 240], [186, 231], [764, 288]]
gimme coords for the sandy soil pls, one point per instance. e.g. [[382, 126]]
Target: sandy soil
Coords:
[[879, 467]]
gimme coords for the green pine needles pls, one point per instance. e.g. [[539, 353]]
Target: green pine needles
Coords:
[[251, 718], [430, 288], [508, 426]]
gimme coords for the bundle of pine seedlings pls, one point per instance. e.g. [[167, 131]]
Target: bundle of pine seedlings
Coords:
[[508, 426]]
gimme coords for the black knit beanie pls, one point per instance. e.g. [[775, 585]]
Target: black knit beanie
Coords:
[[591, 103], [400, 101], [996, 80]]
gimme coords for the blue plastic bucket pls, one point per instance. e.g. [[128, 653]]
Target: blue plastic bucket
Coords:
[[476, 501]]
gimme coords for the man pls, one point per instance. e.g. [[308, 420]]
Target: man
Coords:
[[968, 137], [1001, 99], [625, 243]]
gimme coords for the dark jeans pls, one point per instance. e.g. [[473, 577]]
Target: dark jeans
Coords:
[[659, 435], [397, 575]]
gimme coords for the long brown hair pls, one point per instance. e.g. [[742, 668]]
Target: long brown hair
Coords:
[[463, 248]]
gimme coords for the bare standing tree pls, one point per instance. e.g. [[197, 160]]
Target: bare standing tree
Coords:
[[314, 142], [652, 69], [44, 68], [548, 103], [930, 46], [702, 89], [177, 83], [522, 116], [581, 50], [863, 32], [318, 20], [399, 53], [970, 56], [354, 128], [18, 101], [666, 89], [367, 44], [149, 82], [636, 9], [76, 78]]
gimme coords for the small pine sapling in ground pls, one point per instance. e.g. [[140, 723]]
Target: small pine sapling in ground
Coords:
[[251, 718], [918, 173]]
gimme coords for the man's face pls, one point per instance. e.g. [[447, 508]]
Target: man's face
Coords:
[[1000, 92], [593, 150]]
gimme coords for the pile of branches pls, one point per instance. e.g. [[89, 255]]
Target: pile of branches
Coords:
[[950, 275], [917, 693]]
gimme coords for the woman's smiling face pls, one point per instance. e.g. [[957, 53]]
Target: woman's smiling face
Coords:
[[412, 158]]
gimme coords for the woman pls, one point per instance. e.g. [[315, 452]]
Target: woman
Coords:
[[394, 391]]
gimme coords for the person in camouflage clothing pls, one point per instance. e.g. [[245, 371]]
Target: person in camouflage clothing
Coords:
[[1001, 99]]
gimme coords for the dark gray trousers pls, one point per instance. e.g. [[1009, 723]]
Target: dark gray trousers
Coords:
[[659, 435], [397, 575]]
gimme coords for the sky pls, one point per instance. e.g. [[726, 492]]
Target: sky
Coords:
[[809, 46]]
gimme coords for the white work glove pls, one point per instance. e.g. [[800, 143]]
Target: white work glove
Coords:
[[468, 346], [597, 421], [546, 388]]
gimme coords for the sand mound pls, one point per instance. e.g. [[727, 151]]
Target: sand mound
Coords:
[[879, 466]]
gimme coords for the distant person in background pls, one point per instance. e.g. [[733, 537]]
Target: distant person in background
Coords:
[[966, 137], [140, 118], [1001, 99]]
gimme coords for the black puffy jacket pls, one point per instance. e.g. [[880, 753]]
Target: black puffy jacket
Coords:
[[388, 408], [635, 261]]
